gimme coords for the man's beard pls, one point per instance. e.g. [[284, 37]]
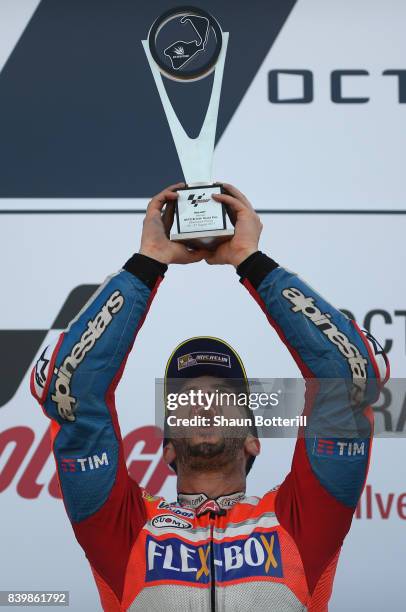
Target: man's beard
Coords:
[[207, 456]]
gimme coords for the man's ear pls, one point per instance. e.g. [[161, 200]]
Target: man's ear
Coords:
[[169, 453], [252, 446]]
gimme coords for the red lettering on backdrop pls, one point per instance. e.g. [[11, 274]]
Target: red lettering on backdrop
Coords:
[[151, 437], [384, 511], [22, 437], [380, 504], [401, 506], [54, 488], [28, 487], [368, 496]]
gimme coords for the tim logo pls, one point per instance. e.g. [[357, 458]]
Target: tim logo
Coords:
[[84, 464], [325, 447], [337, 449], [197, 199], [171, 559]]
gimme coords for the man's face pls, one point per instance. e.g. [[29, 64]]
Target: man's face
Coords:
[[209, 446]]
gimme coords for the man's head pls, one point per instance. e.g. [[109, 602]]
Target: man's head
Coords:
[[210, 428]]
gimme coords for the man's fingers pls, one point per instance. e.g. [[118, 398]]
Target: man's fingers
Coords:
[[186, 255], [237, 194], [210, 259], [235, 204], [158, 201], [197, 254], [176, 186], [168, 194], [168, 216], [213, 259]]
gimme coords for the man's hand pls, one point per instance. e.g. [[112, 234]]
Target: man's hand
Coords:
[[248, 228], [155, 241]]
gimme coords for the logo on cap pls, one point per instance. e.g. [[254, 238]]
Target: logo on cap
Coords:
[[202, 358]]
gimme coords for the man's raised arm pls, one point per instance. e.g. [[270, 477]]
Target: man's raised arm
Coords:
[[75, 382], [316, 502]]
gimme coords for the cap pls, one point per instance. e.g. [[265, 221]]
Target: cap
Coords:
[[205, 356]]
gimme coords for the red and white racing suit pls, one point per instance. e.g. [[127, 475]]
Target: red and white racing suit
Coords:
[[275, 552]]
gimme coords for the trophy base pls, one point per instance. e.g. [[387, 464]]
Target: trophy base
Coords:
[[204, 240], [200, 221]]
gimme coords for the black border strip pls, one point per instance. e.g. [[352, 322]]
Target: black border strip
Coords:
[[266, 211]]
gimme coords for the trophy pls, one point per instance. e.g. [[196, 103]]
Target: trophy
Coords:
[[186, 44]]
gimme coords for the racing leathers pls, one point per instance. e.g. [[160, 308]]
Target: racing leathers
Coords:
[[237, 553]]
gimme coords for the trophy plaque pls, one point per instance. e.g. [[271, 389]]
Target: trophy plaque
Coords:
[[186, 44]]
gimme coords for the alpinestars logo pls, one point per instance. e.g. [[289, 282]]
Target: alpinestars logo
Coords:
[[306, 305], [95, 329], [195, 200]]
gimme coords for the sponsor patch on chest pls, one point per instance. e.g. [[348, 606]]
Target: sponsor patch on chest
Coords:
[[178, 510], [170, 559], [165, 521]]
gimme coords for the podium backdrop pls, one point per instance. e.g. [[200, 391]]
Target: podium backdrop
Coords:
[[311, 128]]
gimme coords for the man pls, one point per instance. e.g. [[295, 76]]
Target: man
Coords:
[[215, 548]]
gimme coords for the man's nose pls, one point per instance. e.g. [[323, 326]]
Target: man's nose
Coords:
[[203, 409]]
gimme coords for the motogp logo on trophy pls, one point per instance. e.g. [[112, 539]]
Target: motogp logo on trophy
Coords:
[[197, 199]]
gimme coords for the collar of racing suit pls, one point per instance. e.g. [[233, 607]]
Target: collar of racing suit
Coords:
[[201, 503]]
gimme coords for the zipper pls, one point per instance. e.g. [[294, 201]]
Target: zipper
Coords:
[[212, 567]]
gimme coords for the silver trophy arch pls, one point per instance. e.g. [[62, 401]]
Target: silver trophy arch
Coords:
[[199, 220], [195, 154]]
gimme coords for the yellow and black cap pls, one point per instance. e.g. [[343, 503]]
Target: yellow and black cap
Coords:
[[205, 356]]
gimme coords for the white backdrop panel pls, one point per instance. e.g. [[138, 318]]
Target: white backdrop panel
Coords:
[[47, 256]]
